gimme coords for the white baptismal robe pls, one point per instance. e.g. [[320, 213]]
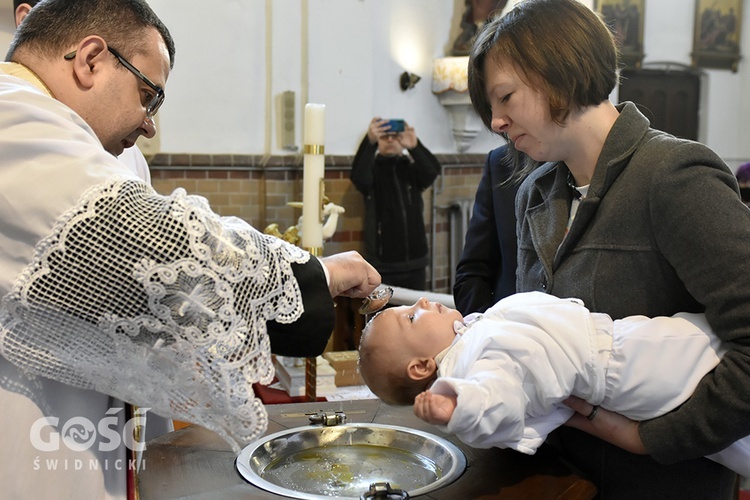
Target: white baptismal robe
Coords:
[[514, 365], [51, 160]]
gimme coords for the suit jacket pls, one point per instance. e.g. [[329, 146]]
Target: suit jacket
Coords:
[[486, 271]]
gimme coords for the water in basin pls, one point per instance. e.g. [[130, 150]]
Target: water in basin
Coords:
[[342, 461], [349, 470]]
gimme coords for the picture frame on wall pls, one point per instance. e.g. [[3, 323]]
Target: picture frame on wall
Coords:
[[716, 37], [625, 19]]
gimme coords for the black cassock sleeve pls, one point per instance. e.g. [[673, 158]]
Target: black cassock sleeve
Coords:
[[309, 335]]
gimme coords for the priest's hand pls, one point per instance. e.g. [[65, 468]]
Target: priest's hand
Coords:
[[350, 274]]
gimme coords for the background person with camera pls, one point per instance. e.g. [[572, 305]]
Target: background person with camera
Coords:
[[392, 183]]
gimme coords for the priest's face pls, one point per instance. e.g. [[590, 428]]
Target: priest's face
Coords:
[[130, 96]]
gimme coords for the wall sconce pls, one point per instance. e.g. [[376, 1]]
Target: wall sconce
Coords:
[[408, 80]]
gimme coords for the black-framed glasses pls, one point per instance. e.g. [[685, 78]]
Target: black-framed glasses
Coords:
[[158, 98]]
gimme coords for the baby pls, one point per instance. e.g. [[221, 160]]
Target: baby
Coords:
[[500, 378]]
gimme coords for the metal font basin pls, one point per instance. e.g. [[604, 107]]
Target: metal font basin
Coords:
[[318, 462]]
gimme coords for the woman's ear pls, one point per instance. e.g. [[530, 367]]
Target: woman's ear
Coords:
[[421, 368]]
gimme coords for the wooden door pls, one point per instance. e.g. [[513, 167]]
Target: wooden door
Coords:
[[669, 98]]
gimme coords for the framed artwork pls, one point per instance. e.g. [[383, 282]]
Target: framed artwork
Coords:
[[716, 37], [476, 13], [625, 19]]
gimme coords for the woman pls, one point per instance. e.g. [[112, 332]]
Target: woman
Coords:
[[632, 221]]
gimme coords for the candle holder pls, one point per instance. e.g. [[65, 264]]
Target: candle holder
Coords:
[[316, 251], [291, 235], [311, 379], [331, 213], [311, 364]]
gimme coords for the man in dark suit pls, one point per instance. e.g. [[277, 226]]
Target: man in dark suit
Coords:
[[486, 271]]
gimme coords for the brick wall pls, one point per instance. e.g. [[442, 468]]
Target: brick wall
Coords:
[[257, 189]]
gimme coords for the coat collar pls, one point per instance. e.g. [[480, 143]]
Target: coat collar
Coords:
[[549, 203], [620, 145]]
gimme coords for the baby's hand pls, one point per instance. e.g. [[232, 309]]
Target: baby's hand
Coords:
[[435, 409]]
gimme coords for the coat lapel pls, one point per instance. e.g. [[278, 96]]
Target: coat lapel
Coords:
[[548, 214], [548, 206]]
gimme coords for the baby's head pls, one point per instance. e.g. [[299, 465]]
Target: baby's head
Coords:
[[398, 347]]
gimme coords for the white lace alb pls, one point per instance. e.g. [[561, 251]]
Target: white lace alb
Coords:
[[157, 301]]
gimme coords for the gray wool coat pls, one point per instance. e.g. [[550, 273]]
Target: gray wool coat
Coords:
[[662, 230]]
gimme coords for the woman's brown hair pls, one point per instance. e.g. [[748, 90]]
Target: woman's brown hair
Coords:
[[560, 46]]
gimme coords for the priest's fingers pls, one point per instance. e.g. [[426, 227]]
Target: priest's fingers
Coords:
[[350, 275]]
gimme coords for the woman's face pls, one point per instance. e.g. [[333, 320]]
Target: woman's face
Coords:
[[522, 113]]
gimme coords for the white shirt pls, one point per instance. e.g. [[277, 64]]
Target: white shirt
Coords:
[[134, 159]]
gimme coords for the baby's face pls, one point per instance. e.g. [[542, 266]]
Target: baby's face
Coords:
[[423, 329]]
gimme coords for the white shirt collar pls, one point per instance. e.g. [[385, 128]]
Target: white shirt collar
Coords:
[[460, 327]]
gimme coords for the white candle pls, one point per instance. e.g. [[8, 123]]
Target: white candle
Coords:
[[313, 172]]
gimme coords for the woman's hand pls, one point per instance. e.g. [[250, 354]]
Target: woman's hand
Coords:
[[435, 409], [606, 425]]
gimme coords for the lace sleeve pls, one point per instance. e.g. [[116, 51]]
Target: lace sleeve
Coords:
[[158, 301]]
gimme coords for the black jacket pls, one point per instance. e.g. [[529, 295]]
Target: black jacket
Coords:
[[394, 232], [486, 271]]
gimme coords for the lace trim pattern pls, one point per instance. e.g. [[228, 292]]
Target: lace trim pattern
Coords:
[[158, 301]]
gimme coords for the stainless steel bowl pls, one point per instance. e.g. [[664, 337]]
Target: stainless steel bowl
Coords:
[[342, 461]]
